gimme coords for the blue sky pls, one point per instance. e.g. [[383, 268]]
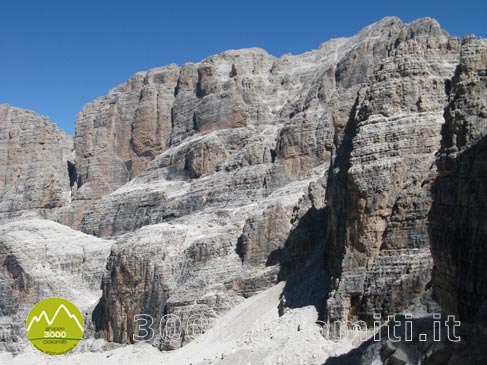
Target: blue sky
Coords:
[[58, 55]]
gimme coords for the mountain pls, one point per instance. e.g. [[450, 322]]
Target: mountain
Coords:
[[40, 259], [347, 175], [34, 167]]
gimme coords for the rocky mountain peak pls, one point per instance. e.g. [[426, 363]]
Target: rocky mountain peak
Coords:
[[218, 180], [34, 168]]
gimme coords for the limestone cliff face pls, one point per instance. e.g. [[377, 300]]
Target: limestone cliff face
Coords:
[[379, 184], [36, 158], [117, 135], [458, 217], [41, 259], [263, 149], [220, 178], [456, 226]]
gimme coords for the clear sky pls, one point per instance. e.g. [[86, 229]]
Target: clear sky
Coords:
[[58, 55]]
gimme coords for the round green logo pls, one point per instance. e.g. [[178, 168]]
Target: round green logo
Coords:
[[55, 326]]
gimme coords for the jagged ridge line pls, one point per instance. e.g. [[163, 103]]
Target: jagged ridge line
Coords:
[[51, 321]]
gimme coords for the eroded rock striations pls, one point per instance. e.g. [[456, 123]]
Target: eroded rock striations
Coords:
[[378, 194], [220, 178], [117, 135], [245, 173], [35, 164], [41, 259], [458, 217], [457, 229]]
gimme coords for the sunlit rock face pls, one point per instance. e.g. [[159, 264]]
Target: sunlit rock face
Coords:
[[40, 259], [274, 166], [35, 162], [216, 180]]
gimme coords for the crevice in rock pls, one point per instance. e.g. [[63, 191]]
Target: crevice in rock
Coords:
[[338, 195], [273, 153], [72, 174]]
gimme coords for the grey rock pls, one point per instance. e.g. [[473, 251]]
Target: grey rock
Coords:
[[251, 136], [379, 185], [457, 218], [117, 134], [41, 259], [220, 178], [36, 159]]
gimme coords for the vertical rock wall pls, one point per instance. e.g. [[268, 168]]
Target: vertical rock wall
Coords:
[[458, 217], [34, 165]]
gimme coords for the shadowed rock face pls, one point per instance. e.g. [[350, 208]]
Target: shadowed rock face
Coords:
[[34, 161], [456, 226], [458, 217]]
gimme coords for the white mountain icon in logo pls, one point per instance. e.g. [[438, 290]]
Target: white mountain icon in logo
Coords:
[[49, 321]]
